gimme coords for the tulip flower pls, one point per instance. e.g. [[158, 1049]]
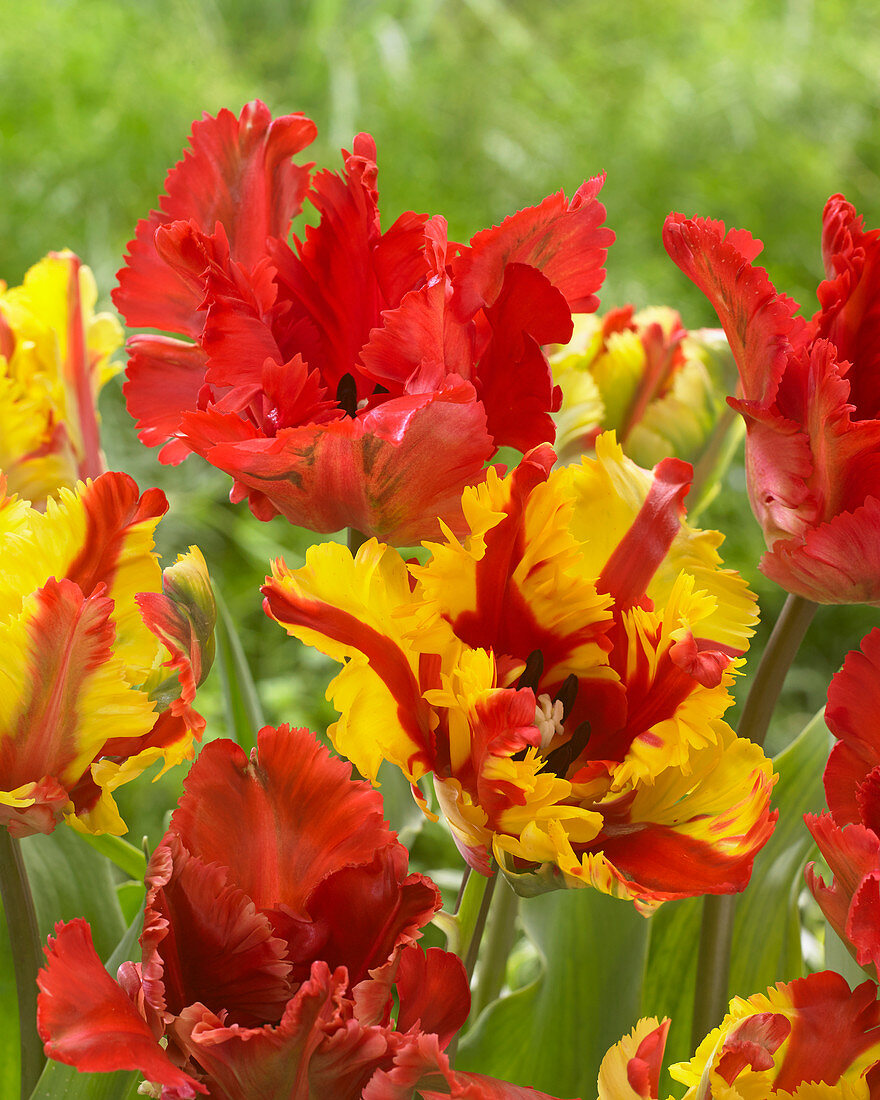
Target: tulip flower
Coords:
[[362, 377], [255, 982], [631, 1068], [561, 674], [54, 359], [658, 386], [811, 1039], [849, 836], [102, 653], [808, 395]]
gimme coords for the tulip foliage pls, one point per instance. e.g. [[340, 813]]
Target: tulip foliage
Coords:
[[489, 876]]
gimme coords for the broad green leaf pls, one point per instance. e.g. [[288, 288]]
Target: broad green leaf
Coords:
[[766, 944], [10, 1065], [766, 937], [69, 879], [671, 971], [553, 1033], [60, 1082], [244, 714]]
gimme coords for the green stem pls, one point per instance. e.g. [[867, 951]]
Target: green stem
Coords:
[[498, 941], [471, 946], [473, 907], [27, 956], [716, 933]]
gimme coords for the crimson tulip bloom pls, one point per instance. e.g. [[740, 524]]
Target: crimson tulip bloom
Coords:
[[809, 396], [361, 378], [849, 836], [278, 952]]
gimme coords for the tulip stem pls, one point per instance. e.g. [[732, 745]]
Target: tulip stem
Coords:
[[471, 916], [499, 939], [716, 933], [24, 941]]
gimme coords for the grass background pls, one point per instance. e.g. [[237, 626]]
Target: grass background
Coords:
[[750, 111]]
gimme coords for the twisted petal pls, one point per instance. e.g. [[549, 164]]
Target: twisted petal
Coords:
[[349, 608], [391, 470], [237, 172], [811, 1030], [853, 696], [851, 903], [86, 1020], [631, 1068], [563, 239]]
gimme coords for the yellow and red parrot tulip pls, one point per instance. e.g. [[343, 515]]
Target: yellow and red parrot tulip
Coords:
[[54, 358], [642, 374], [102, 653], [561, 674], [810, 1039]]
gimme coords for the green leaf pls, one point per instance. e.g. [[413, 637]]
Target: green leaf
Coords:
[[766, 936], [69, 879], [10, 1065], [553, 1033], [60, 1082], [766, 943], [671, 971], [244, 714]]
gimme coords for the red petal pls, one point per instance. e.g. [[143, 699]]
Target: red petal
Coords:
[[753, 1043], [838, 562], [759, 322], [420, 343], [112, 508], [346, 272], [850, 301], [307, 818], [851, 715], [643, 1069], [513, 376], [389, 473], [832, 1027], [165, 377], [280, 1061], [391, 909], [87, 1021], [209, 943], [433, 990], [628, 572], [566, 241], [237, 172]]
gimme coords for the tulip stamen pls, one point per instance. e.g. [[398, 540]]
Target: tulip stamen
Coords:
[[346, 394], [561, 759]]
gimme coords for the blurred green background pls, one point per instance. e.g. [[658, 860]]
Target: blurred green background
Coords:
[[753, 111]]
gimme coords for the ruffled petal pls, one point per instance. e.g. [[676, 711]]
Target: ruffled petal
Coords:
[[759, 322], [237, 172], [86, 1020], [564, 240], [390, 472]]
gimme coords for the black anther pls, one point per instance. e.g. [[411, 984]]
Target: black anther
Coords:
[[346, 394]]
